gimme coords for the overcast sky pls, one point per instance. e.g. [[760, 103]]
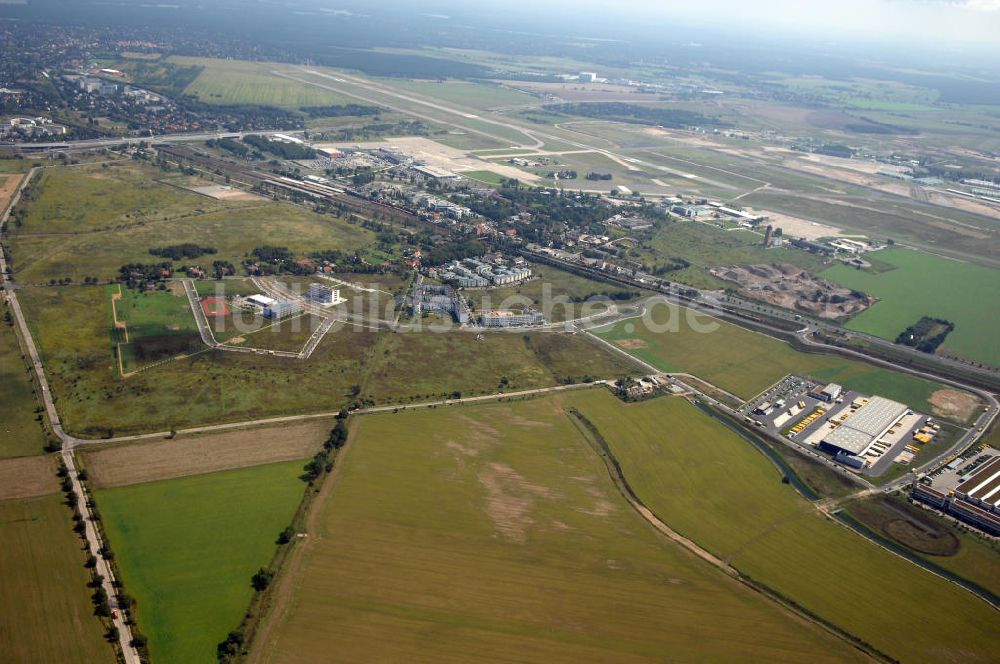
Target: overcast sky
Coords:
[[972, 24]]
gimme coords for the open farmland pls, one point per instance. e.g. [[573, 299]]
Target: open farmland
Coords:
[[745, 362], [45, 609], [187, 548], [27, 477], [918, 284], [444, 535], [122, 464], [715, 488], [20, 432]]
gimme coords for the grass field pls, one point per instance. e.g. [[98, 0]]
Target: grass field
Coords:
[[745, 362], [22, 433], [401, 371], [160, 326], [712, 486], [45, 609], [234, 231], [242, 82], [933, 538], [486, 177], [217, 386], [207, 387], [448, 538], [705, 247], [186, 549], [464, 93], [924, 285], [86, 198]]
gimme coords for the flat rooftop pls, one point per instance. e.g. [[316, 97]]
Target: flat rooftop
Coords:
[[864, 425]]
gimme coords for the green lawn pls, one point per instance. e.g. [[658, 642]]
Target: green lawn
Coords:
[[712, 486], [186, 549], [22, 434], [745, 362], [45, 610], [493, 533], [923, 285]]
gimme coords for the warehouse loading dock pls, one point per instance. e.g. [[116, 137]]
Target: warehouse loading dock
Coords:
[[863, 432]]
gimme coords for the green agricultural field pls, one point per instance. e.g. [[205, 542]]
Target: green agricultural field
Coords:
[[186, 549], [80, 199], [745, 362], [559, 294], [449, 535], [243, 82], [233, 231], [706, 247], [73, 334], [22, 434], [923, 285], [710, 485], [45, 610], [421, 365]]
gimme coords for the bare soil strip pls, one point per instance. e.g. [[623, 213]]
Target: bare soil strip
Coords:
[[121, 465], [27, 477]]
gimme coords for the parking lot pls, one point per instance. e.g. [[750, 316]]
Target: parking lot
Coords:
[[796, 409]]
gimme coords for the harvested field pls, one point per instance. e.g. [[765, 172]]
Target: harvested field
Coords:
[[132, 463], [8, 185], [45, 610], [27, 477]]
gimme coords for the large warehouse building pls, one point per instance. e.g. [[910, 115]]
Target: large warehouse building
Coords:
[[864, 426]]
